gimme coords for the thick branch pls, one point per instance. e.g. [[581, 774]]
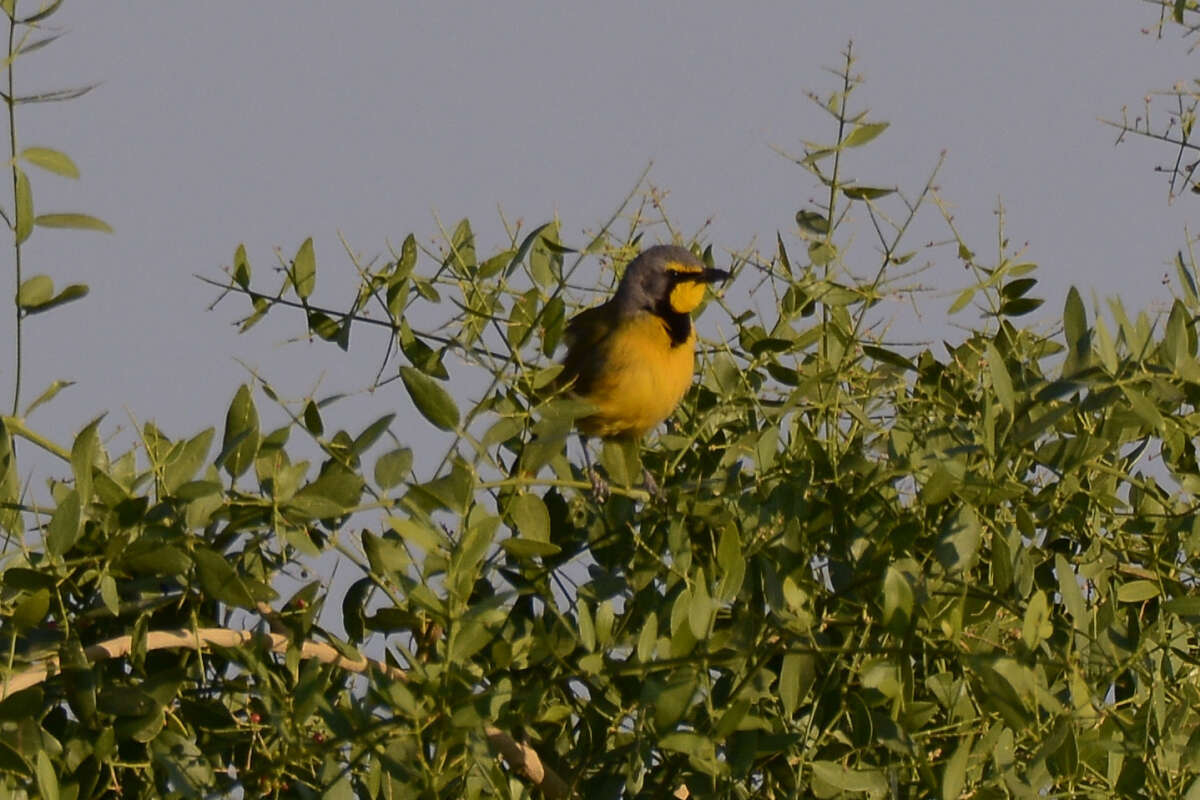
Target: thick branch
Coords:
[[520, 757]]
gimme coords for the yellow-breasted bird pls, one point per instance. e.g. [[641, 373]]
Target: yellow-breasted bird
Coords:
[[633, 357]]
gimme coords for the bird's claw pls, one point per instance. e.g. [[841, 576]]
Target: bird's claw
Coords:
[[599, 486], [657, 495]]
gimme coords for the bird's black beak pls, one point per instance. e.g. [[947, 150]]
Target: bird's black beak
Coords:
[[714, 276]]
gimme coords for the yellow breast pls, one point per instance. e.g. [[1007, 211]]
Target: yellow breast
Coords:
[[640, 378]]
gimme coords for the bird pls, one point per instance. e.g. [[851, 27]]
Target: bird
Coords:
[[632, 358]]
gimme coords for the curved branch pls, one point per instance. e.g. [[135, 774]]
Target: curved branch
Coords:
[[520, 757]]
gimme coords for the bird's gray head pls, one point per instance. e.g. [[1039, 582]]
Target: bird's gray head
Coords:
[[665, 278]]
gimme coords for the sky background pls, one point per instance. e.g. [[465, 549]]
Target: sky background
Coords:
[[268, 122]]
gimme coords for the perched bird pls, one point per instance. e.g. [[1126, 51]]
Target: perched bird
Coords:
[[633, 357]]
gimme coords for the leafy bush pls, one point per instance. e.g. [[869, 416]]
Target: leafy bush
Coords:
[[877, 570]]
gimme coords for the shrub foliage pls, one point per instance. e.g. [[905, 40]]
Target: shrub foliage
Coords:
[[963, 569]]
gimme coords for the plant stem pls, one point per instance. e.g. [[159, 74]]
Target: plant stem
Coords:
[[12, 146]]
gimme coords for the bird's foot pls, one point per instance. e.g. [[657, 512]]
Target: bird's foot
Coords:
[[657, 495], [599, 486]]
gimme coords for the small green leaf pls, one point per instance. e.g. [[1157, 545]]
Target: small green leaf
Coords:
[[434, 403], [220, 579], [958, 544], [1068, 589], [392, 468], [48, 395], [1001, 380], [63, 529], [1137, 591], [1019, 306], [813, 221], [371, 434], [31, 610], [955, 776], [109, 595], [864, 133], [312, 419], [648, 638], [51, 161], [1143, 407], [35, 291], [47, 778], [528, 548], [1018, 288], [898, 599], [529, 515], [789, 682], [83, 458], [1036, 626], [24, 194], [240, 443], [241, 267], [79, 222], [304, 270], [866, 192], [964, 297], [73, 292], [883, 355]]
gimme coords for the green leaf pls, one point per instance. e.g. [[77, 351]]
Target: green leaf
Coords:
[[39, 15], [1143, 407], [530, 516], [434, 403], [73, 292], [813, 222], [847, 779], [371, 434], [648, 639], [1137, 591], [886, 356], [789, 682], [866, 192], [898, 599], [24, 212], [964, 298], [864, 133], [63, 529], [51, 161], [241, 267], [958, 544], [35, 291], [1068, 588], [83, 458], [188, 461], [31, 610], [73, 221], [393, 468], [1074, 319], [48, 395], [954, 778], [304, 270], [1001, 380], [47, 779], [1018, 288], [1036, 626], [240, 443], [1020, 306], [529, 548], [220, 580]]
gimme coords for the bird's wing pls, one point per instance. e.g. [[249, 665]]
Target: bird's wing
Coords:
[[586, 333]]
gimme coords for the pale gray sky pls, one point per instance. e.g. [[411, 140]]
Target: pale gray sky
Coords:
[[267, 122]]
